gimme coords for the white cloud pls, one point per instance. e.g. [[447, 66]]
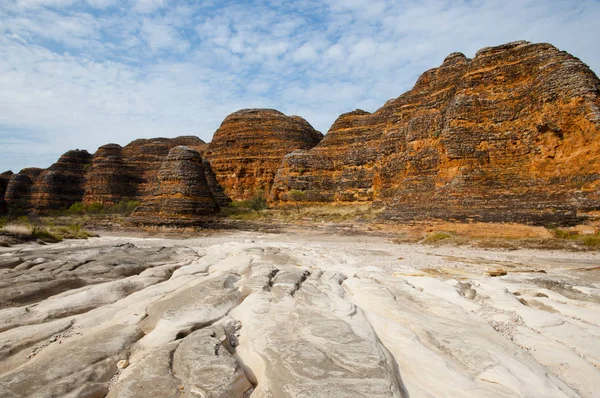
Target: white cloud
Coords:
[[163, 37], [148, 6], [75, 78], [305, 53], [100, 4]]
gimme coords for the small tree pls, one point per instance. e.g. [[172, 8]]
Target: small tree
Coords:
[[296, 196], [258, 201]]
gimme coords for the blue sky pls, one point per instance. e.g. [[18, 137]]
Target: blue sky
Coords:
[[83, 73]]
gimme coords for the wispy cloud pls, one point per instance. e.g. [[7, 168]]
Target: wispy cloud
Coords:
[[81, 73]]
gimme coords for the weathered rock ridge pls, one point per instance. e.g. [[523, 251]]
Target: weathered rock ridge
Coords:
[[63, 183], [111, 175], [181, 193], [247, 149], [511, 135], [18, 191]]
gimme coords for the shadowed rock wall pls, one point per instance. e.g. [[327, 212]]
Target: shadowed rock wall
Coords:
[[4, 179], [181, 193], [18, 190], [63, 183]]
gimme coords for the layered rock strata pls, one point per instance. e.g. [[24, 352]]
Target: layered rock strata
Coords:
[[247, 149], [181, 193], [18, 191], [144, 158], [110, 178], [63, 183], [511, 135]]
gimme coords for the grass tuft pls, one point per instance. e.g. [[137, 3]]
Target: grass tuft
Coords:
[[592, 241], [437, 237]]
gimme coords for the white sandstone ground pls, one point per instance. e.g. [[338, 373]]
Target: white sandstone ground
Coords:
[[296, 315]]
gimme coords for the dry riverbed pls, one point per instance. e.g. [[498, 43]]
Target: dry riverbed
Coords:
[[240, 314]]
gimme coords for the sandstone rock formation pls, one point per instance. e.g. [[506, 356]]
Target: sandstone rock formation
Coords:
[[4, 179], [144, 158], [511, 135], [110, 179], [18, 191], [248, 147], [181, 193], [63, 183]]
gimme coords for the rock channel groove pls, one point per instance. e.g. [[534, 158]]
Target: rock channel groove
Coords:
[[238, 315]]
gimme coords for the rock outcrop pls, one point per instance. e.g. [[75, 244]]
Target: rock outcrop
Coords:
[[241, 315], [511, 135], [4, 179], [63, 183], [181, 193], [247, 149], [110, 179], [144, 158], [129, 173], [18, 191]]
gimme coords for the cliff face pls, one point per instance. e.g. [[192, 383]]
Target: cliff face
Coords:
[[4, 179], [129, 173], [511, 135], [181, 192], [110, 179], [144, 158], [18, 190], [247, 149], [63, 183]]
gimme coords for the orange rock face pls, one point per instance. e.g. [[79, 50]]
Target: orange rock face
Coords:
[[181, 193], [511, 135], [247, 149]]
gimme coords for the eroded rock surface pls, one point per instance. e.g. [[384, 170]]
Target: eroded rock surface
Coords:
[[242, 315], [18, 190], [110, 178], [144, 157], [248, 147], [510, 135], [63, 183], [182, 192]]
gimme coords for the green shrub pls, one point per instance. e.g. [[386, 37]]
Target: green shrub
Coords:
[[77, 208], [3, 221], [257, 202], [45, 235], [592, 241], [95, 208], [562, 234], [437, 237], [124, 207]]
